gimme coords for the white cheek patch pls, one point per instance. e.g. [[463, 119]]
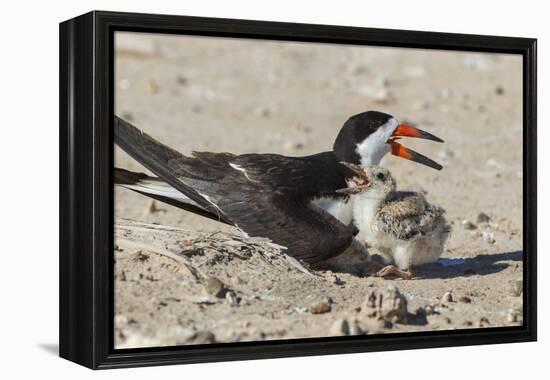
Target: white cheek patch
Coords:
[[375, 146]]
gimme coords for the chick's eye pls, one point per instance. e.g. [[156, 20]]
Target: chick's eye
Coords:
[[380, 176]]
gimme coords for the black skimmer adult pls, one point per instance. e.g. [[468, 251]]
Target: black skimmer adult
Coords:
[[291, 200], [403, 226]]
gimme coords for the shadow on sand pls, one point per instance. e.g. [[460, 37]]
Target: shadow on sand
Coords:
[[480, 265], [444, 268]]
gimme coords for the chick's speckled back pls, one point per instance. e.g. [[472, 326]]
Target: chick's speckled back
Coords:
[[407, 215]]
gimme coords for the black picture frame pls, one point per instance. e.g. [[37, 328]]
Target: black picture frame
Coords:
[[86, 189]]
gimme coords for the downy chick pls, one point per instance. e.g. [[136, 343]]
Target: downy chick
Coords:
[[402, 226]]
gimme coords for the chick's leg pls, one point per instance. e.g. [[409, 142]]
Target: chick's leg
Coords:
[[381, 269], [389, 270], [402, 256]]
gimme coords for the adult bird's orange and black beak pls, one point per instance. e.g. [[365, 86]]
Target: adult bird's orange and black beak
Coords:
[[405, 130]]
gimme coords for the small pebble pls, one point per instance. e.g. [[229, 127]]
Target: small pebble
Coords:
[[297, 310], [280, 332], [231, 298], [290, 145], [465, 299], [181, 80], [152, 207], [429, 310], [483, 322], [202, 337], [489, 237], [494, 163], [263, 112], [384, 82], [152, 86], [483, 218], [447, 297], [214, 287], [320, 308], [246, 324], [512, 316], [468, 323], [387, 304], [141, 257], [468, 225]]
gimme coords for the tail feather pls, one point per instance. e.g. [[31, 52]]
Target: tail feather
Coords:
[[158, 189], [156, 157]]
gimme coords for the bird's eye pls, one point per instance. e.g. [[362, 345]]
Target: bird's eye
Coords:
[[380, 176]]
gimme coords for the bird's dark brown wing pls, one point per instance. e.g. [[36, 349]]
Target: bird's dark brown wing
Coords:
[[257, 193], [309, 234]]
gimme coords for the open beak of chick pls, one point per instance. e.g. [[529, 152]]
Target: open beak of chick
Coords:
[[358, 183], [405, 130]]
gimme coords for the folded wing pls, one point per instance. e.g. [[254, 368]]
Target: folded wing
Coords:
[[241, 190]]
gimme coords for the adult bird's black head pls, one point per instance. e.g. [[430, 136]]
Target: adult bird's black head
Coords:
[[366, 138]]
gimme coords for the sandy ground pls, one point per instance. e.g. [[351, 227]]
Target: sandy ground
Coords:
[[250, 96]]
